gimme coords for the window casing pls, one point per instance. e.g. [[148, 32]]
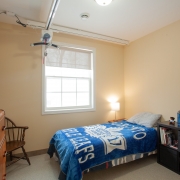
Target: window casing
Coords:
[[68, 79]]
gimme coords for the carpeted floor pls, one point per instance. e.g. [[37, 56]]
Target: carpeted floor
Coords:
[[44, 168]]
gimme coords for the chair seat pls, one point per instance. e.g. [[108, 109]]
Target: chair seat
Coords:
[[12, 145]]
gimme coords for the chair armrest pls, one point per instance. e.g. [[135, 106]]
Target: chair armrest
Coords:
[[22, 127]]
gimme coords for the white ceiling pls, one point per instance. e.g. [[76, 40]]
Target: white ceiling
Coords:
[[125, 19]]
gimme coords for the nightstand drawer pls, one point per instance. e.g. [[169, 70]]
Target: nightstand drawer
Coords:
[[169, 157]]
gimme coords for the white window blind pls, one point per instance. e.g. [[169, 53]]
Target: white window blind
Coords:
[[68, 58], [68, 80]]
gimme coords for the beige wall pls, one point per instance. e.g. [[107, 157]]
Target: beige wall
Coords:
[[152, 73], [147, 71], [21, 84]]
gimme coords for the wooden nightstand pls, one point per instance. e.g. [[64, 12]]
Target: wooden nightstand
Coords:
[[116, 120]]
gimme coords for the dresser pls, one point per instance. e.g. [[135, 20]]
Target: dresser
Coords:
[[2, 147]]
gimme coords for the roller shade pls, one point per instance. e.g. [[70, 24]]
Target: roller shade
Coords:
[[68, 58]]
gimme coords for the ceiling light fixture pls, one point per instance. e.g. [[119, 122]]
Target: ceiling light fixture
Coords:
[[103, 2], [84, 16]]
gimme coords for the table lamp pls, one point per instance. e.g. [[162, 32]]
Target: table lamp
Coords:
[[115, 107]]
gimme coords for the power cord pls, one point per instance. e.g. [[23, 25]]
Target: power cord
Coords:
[[12, 14], [19, 22]]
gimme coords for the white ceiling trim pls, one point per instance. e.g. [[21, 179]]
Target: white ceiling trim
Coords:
[[121, 20], [74, 31], [78, 32]]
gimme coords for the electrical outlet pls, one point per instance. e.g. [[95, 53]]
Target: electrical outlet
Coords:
[[10, 13]]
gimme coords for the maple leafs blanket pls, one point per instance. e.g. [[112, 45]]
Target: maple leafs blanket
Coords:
[[84, 147]]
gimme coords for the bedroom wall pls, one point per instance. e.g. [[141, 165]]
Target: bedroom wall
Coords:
[[152, 73], [21, 89]]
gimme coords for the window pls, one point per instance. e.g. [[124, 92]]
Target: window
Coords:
[[68, 80]]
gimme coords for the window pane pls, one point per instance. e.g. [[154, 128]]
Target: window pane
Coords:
[[68, 84], [83, 99], [53, 100], [53, 71], [68, 99], [53, 84], [69, 72], [83, 85]]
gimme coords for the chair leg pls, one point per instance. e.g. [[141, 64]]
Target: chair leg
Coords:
[[25, 154]]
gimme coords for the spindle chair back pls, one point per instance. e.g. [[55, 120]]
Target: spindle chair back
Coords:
[[14, 140]]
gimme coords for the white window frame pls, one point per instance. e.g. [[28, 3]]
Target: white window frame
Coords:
[[92, 84]]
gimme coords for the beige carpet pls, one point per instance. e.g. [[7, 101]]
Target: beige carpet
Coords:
[[44, 168]]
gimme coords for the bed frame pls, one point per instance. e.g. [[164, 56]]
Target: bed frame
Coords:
[[108, 164]]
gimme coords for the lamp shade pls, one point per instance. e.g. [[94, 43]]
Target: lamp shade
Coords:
[[115, 106], [103, 2]]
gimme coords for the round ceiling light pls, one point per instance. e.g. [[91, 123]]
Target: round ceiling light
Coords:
[[103, 2], [84, 16]]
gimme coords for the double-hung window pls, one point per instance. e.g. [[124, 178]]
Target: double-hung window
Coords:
[[68, 80]]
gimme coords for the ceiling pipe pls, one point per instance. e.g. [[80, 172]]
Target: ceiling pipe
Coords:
[[52, 12]]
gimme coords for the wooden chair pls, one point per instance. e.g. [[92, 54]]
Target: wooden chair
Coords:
[[15, 140]]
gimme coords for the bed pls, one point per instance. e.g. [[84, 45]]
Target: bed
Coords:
[[84, 149]]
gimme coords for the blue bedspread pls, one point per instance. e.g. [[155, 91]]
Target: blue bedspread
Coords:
[[84, 147]]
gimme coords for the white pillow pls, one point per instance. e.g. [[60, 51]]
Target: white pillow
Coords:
[[145, 118]]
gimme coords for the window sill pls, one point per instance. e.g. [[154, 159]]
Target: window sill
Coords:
[[65, 111]]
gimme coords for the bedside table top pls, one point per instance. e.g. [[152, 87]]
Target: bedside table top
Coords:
[[166, 124], [116, 120]]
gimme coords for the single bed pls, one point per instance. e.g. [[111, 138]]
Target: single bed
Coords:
[[84, 149]]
